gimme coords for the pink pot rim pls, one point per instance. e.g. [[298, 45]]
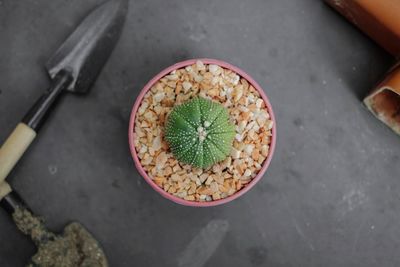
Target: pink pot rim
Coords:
[[132, 134]]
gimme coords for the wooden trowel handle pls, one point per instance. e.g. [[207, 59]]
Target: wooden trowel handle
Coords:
[[14, 147], [5, 189], [23, 135], [12, 201]]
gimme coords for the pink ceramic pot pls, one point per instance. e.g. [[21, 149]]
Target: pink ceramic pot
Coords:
[[132, 134]]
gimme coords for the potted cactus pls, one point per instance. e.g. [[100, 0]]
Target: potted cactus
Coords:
[[202, 132]]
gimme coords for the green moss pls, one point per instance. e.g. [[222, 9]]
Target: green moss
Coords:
[[75, 248], [199, 132]]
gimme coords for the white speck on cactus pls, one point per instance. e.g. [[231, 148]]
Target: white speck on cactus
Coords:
[[202, 134]]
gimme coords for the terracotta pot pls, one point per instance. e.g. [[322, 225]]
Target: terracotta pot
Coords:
[[132, 137], [384, 100], [380, 20]]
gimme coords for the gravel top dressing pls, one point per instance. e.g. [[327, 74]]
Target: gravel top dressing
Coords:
[[75, 248], [197, 180]]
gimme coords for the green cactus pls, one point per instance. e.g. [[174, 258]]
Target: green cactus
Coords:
[[199, 132]]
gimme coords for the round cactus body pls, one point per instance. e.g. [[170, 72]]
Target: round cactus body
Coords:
[[199, 132]]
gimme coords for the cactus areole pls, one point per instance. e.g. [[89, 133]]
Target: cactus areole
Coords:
[[199, 132]]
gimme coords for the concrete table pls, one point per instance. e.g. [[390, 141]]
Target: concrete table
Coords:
[[330, 197]]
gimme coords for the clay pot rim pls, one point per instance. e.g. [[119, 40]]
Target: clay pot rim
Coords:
[[132, 136]]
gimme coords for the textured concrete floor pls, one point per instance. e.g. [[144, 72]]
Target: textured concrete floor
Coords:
[[330, 197]]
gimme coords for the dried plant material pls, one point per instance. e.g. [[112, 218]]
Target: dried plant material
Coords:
[[76, 247]]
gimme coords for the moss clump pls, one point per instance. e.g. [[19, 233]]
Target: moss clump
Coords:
[[75, 248]]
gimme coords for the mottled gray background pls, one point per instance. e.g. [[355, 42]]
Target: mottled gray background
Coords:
[[330, 197]]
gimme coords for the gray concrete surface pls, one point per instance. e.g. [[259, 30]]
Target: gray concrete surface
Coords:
[[330, 197]]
